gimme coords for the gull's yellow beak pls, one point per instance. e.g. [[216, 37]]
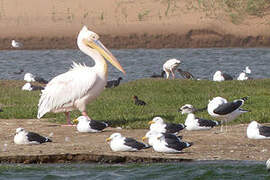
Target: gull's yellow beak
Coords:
[[108, 139], [144, 138], [75, 121], [105, 53], [151, 122]]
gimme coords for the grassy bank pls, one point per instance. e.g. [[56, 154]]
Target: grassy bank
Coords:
[[163, 98]]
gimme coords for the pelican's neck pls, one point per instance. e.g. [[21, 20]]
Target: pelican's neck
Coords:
[[100, 66]]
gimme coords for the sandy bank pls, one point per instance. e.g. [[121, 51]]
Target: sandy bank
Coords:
[[70, 146], [130, 24]]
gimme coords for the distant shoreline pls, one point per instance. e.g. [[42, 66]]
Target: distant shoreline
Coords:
[[192, 39]]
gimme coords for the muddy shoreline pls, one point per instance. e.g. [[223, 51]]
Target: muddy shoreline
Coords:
[[200, 38], [71, 146]]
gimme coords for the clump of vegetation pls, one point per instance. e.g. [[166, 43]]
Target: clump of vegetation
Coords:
[[163, 98]]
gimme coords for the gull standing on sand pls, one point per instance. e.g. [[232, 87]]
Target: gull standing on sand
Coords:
[[194, 123], [170, 66], [258, 131], [81, 84], [87, 125], [158, 124], [16, 44], [120, 143], [219, 76], [24, 137], [150, 136], [166, 143], [220, 108]]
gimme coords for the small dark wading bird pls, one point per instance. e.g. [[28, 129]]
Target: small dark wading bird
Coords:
[[159, 76], [24, 137], [258, 131], [81, 84], [87, 125], [226, 111], [194, 123], [185, 74], [18, 72], [157, 124], [120, 143], [138, 101], [113, 83]]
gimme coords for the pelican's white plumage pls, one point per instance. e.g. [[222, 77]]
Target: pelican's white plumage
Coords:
[[268, 164], [170, 67], [81, 84]]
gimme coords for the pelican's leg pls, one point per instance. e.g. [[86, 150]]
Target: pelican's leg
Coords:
[[68, 118], [173, 76], [167, 74], [84, 113]]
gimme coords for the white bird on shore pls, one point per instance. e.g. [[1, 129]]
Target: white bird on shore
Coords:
[[194, 123], [219, 76], [268, 164], [16, 44], [120, 143], [220, 108], [243, 75], [30, 87], [158, 124], [258, 131], [24, 137], [87, 125], [166, 143], [150, 137], [170, 67], [29, 77], [81, 84]]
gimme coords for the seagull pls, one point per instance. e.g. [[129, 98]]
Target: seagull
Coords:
[[185, 74], [151, 139], [219, 76], [16, 44], [159, 76], [82, 84], [220, 108], [138, 102], [258, 131], [24, 137], [113, 83], [28, 77], [120, 143], [30, 87], [87, 125], [194, 123], [170, 66], [268, 165], [243, 75], [166, 143], [158, 124]]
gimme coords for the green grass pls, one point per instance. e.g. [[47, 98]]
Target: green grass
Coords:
[[163, 98]]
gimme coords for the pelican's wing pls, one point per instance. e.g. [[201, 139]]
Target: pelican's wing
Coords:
[[66, 88]]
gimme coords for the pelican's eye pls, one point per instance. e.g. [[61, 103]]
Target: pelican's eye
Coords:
[[94, 37]]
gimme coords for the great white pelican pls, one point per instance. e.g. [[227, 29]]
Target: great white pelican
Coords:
[[170, 66], [81, 84]]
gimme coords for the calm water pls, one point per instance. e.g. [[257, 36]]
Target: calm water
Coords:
[[140, 63], [188, 170]]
